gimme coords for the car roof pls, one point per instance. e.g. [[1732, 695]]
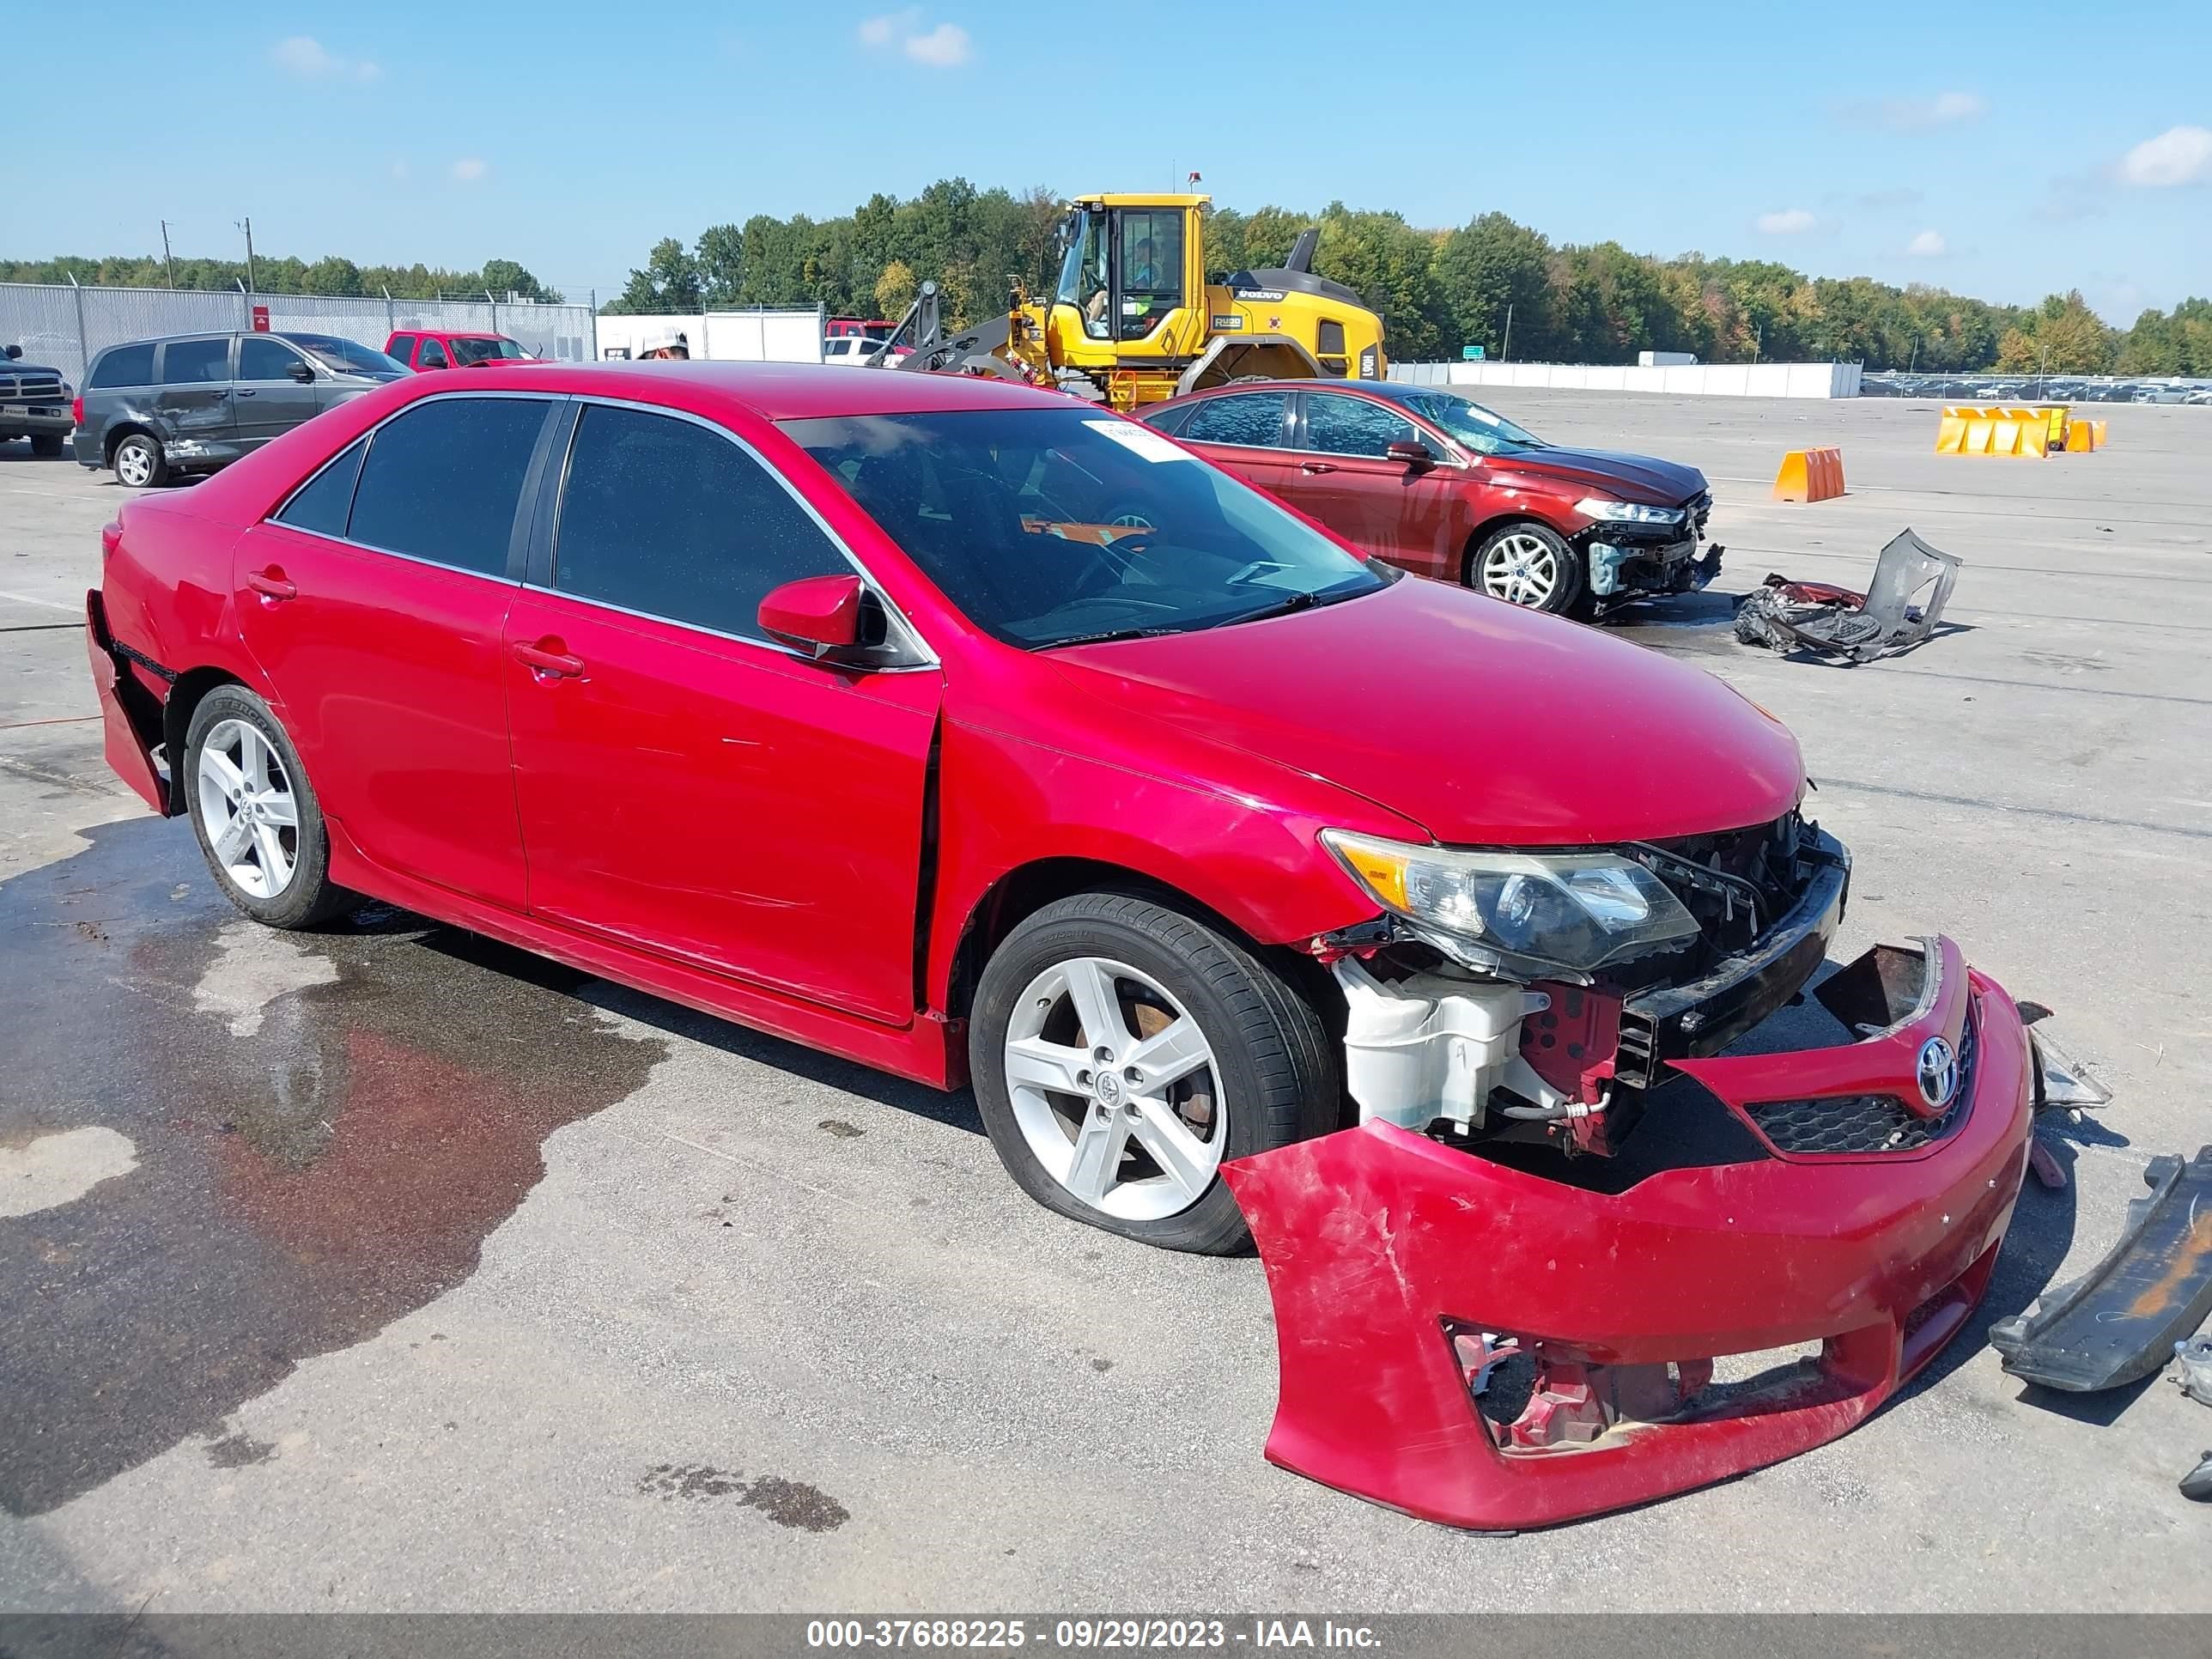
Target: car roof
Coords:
[[774, 391]]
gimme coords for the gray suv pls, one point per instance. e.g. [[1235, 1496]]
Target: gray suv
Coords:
[[34, 403], [156, 407]]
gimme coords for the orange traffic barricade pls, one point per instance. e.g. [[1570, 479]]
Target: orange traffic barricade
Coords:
[[1810, 475]]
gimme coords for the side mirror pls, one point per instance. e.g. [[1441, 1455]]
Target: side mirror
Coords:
[[14, 352], [301, 373], [819, 615], [1410, 451]]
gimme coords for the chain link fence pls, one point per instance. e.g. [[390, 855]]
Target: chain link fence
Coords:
[[62, 326]]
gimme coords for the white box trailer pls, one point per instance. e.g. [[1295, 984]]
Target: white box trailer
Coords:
[[783, 335]]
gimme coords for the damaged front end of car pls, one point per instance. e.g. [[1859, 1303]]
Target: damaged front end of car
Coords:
[[1634, 552], [1573, 1257]]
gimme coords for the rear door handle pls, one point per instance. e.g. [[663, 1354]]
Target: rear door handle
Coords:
[[1315, 467], [272, 584], [246, 391], [554, 665]]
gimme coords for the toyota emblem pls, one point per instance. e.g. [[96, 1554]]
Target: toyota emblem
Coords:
[[1938, 1070]]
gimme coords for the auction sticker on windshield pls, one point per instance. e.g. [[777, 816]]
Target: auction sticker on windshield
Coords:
[[1143, 439]]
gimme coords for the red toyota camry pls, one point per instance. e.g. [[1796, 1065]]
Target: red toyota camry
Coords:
[[975, 733]]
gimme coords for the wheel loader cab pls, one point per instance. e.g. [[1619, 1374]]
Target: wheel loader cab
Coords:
[[1131, 282]]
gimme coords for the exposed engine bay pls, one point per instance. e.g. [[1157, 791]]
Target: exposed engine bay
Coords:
[[1511, 997]]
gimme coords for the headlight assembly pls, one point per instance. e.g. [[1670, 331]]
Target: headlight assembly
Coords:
[[1590, 506], [1577, 911]]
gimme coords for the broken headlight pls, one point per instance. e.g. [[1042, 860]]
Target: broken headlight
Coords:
[[1592, 507], [1577, 911]]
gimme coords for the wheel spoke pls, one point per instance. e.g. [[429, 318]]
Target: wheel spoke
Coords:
[[275, 862], [237, 836], [1031, 1062], [1091, 989], [255, 755], [1098, 1158], [1169, 1055], [279, 809], [226, 774], [1182, 1158]]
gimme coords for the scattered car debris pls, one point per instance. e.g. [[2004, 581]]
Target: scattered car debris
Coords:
[[1786, 615], [2118, 1322], [2062, 1083], [2194, 1358], [2197, 1483]]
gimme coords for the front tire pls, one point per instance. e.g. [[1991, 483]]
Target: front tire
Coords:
[[140, 464], [1528, 564], [259, 823], [1123, 1051]]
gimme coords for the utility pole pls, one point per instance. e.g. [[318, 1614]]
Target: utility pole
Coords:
[[1758, 343], [247, 225], [1506, 350], [167, 263]]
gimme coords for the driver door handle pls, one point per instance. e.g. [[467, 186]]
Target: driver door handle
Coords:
[[271, 583], [1316, 467]]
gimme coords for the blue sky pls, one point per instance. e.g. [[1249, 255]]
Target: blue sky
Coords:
[[2002, 151]]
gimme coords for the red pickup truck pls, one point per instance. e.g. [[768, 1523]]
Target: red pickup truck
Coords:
[[438, 348]]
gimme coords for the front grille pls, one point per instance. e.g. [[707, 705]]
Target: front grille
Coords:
[[30, 388], [1864, 1123]]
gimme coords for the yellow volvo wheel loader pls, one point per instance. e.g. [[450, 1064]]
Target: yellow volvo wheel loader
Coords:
[[1134, 320]]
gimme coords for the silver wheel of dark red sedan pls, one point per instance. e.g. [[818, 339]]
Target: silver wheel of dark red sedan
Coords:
[[1123, 1051], [1528, 564]]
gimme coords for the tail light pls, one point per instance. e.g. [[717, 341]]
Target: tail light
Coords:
[[76, 411]]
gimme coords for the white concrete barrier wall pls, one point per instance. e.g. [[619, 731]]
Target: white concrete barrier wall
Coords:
[[792, 336], [1692, 380]]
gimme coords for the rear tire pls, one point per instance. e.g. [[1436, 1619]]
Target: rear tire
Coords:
[[47, 446], [259, 823], [140, 464], [1077, 1125], [1528, 564]]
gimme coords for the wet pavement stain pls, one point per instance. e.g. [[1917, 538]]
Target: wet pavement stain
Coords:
[[838, 1128], [791, 1504], [296, 1190], [236, 1450]]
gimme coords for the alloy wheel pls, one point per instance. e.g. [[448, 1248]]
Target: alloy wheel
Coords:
[[1116, 1090], [134, 464], [247, 805], [1521, 569]]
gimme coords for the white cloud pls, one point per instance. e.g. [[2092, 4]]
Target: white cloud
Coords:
[[311, 60], [945, 46], [1917, 114], [469, 169], [1927, 244], [1789, 222], [2179, 155]]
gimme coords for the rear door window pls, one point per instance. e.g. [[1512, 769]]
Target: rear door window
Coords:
[[671, 519], [1353, 426], [1251, 420], [124, 365], [196, 362], [322, 504], [442, 480], [402, 347]]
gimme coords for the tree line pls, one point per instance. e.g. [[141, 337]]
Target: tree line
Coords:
[[1439, 291], [1491, 283], [330, 276]]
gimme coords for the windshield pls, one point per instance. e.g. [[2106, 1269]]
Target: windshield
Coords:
[[346, 357], [1479, 428], [480, 351], [1053, 527]]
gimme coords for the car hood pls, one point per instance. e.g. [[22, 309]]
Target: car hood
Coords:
[[1482, 722], [1630, 478]]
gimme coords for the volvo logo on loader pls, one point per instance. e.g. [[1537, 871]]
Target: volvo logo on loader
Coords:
[[1938, 1070]]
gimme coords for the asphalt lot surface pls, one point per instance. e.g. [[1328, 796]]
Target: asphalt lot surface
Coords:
[[387, 1268]]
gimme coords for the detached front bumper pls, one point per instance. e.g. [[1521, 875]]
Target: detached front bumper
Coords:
[[1410, 1277]]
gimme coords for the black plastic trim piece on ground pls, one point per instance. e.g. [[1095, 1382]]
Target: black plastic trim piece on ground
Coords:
[[2117, 1323]]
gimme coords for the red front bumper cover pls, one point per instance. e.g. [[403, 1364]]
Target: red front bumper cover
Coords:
[[1401, 1268]]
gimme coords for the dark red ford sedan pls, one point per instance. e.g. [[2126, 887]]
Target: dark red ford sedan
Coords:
[[1427, 478], [975, 733]]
